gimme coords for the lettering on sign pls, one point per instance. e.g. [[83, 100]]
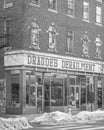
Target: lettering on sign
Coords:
[[60, 63]]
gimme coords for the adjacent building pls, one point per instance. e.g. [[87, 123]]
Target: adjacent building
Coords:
[[52, 55]]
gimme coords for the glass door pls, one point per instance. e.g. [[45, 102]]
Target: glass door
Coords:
[[99, 93], [47, 92], [83, 93], [39, 92], [74, 92]]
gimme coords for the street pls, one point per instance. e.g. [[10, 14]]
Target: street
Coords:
[[99, 125]]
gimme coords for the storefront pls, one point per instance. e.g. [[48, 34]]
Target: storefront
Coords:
[[39, 82]]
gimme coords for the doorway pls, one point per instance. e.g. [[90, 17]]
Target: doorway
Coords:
[[99, 92]]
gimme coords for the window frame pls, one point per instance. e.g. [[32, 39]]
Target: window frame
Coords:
[[70, 34], [51, 9], [99, 1], [7, 40], [99, 15], [71, 5], [7, 5], [86, 7], [33, 3]]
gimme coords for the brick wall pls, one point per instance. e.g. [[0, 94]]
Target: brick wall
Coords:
[[64, 23]]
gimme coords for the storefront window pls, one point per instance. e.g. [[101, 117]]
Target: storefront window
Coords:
[[30, 89], [34, 90], [15, 91], [57, 90], [99, 92], [72, 90]]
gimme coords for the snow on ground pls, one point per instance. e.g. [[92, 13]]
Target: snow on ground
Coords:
[[52, 118], [61, 118], [14, 123]]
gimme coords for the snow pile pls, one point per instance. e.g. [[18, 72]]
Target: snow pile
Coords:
[[84, 116], [89, 116], [54, 118], [14, 123], [98, 114], [61, 118]]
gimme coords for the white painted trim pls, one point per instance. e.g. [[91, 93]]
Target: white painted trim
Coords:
[[8, 5]]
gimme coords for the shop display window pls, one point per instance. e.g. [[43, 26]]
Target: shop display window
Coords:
[[15, 91], [30, 89], [57, 91], [99, 92]]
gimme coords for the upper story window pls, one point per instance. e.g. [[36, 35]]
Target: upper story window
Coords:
[[34, 34], [34, 2], [85, 45], [98, 15], [52, 37], [52, 4], [7, 31], [8, 3], [70, 7], [98, 44], [86, 10], [70, 39]]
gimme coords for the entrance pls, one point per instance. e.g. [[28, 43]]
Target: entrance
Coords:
[[53, 92], [47, 90], [74, 92], [99, 93], [81, 91]]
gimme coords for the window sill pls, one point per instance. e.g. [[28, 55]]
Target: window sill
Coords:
[[99, 24], [98, 58], [72, 16], [69, 53], [35, 48], [35, 5], [9, 5], [85, 56], [54, 11], [86, 20], [50, 50]]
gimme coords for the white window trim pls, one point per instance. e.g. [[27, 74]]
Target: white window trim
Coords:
[[99, 24], [52, 10], [73, 16], [86, 20], [33, 4], [99, 1], [8, 5]]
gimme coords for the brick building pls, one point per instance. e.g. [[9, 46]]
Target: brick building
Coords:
[[53, 55]]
